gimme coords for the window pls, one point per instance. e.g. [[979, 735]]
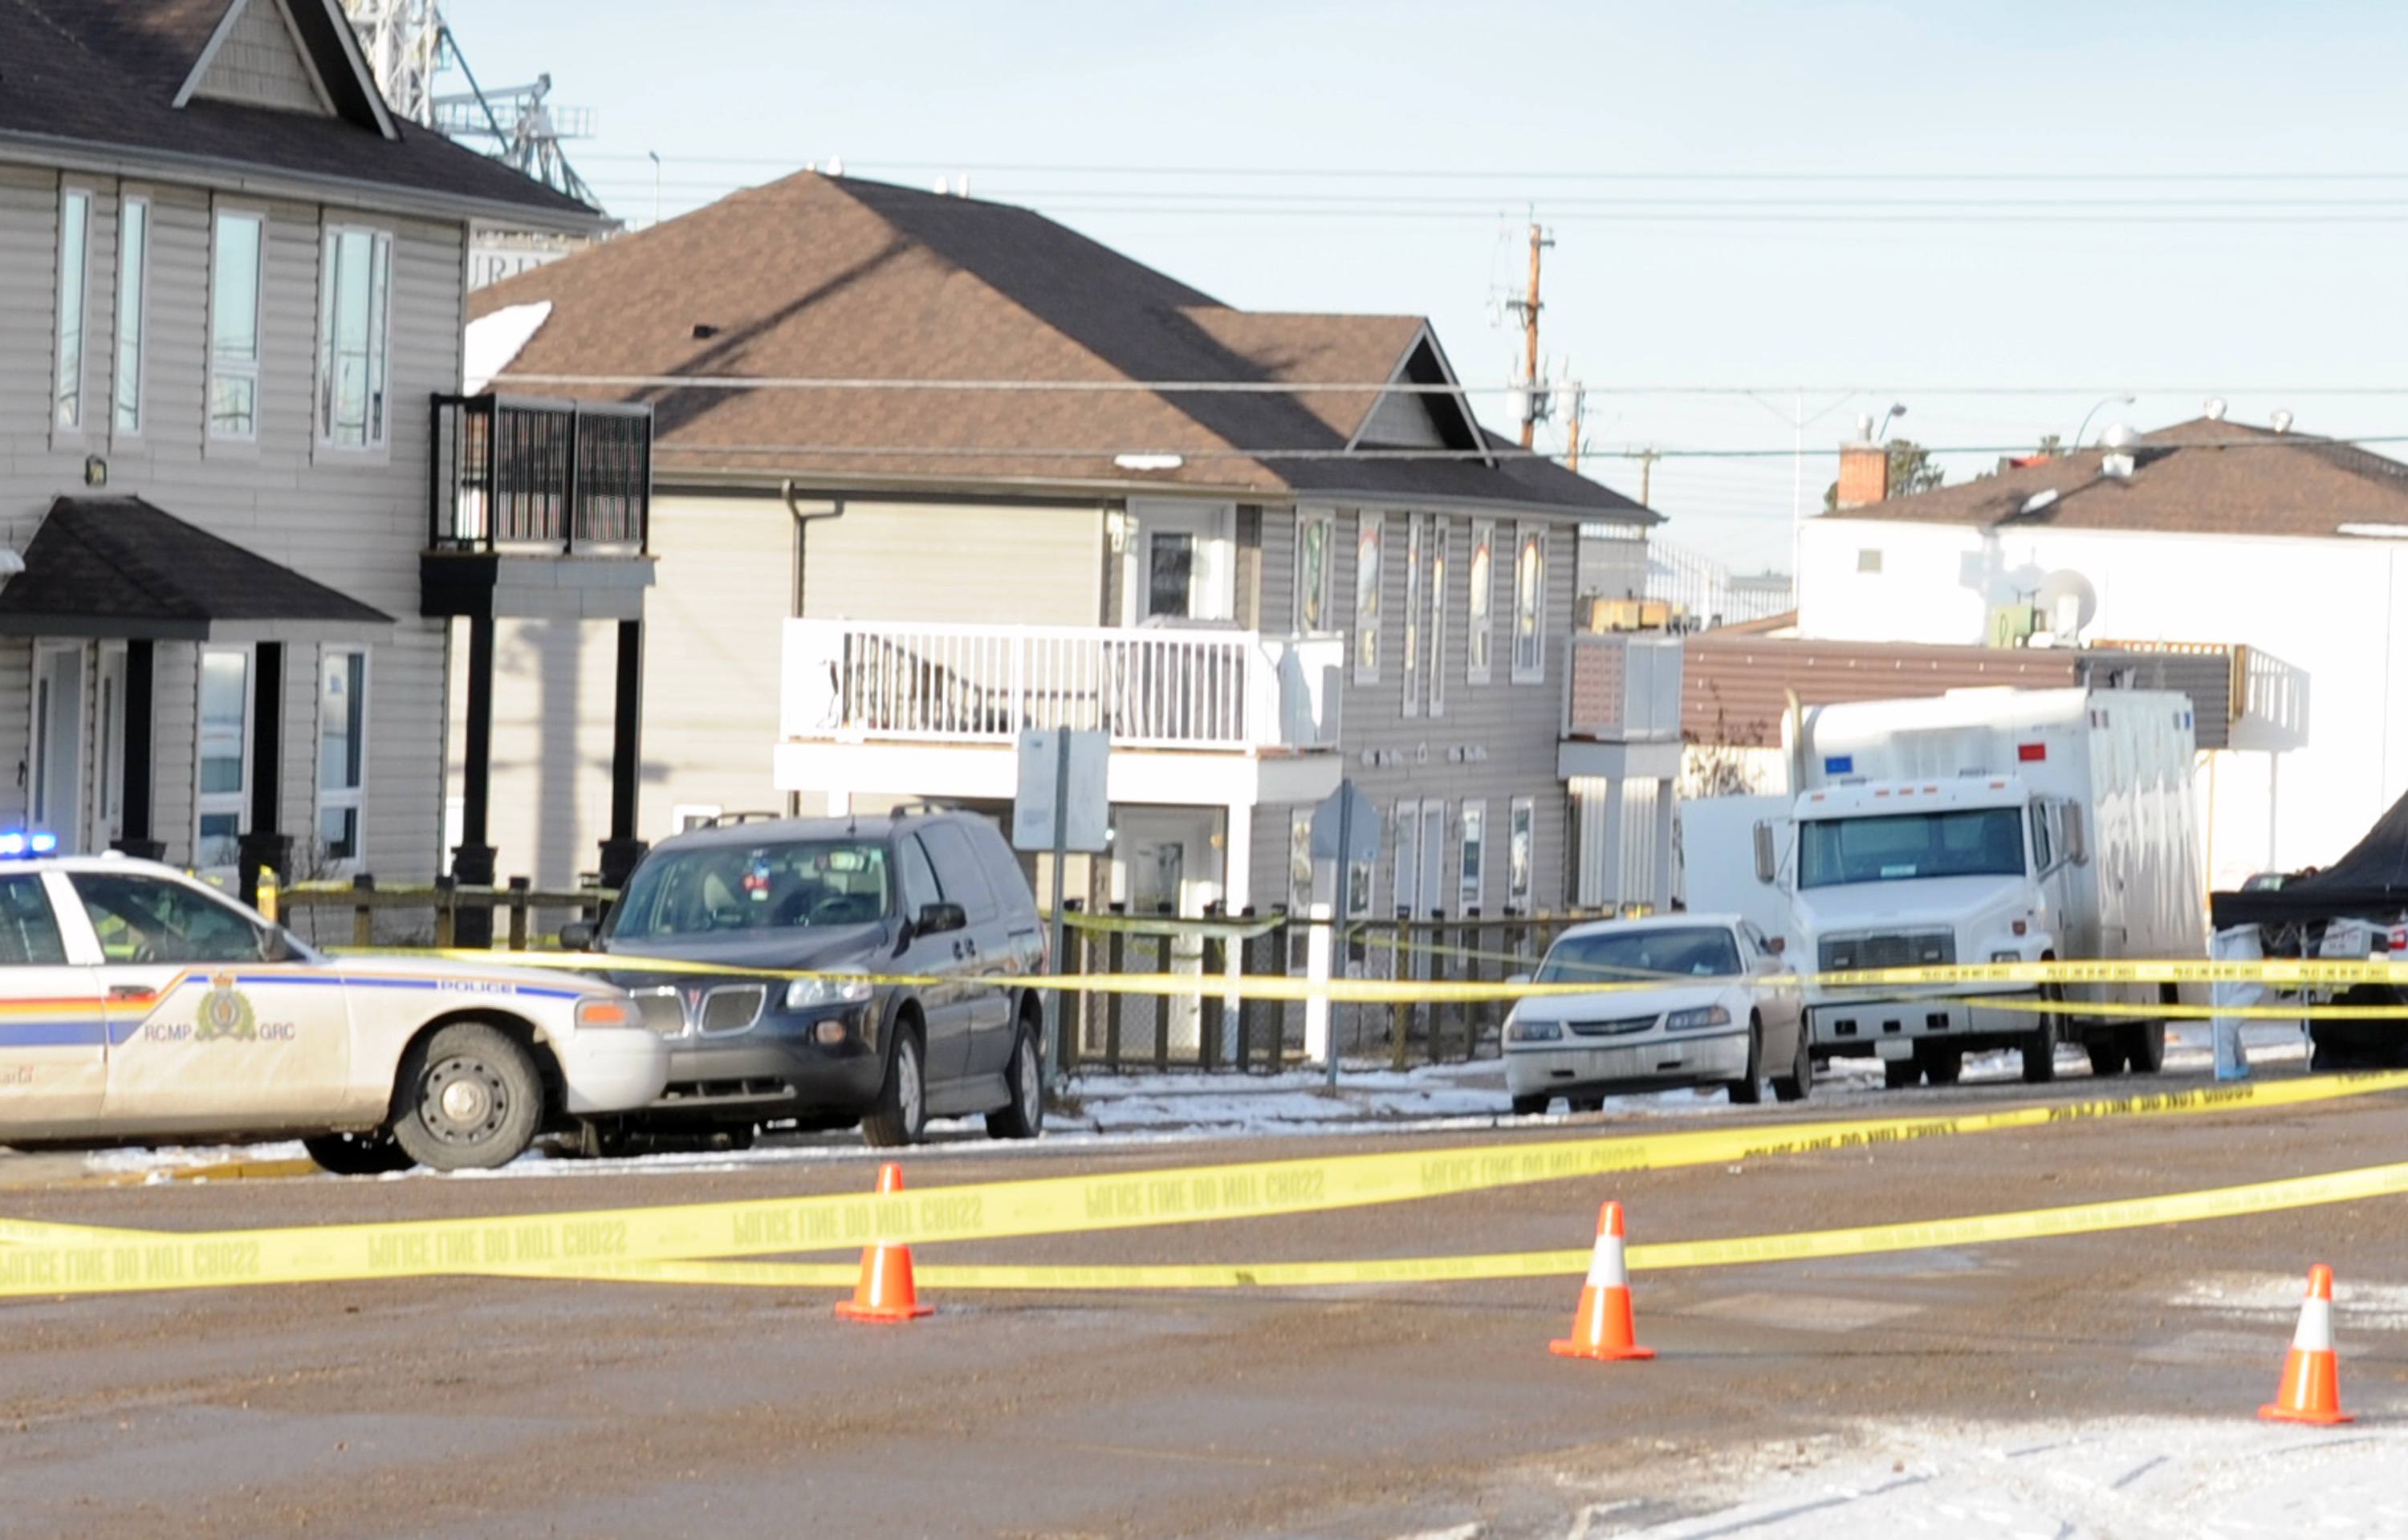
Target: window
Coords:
[[1971, 842], [776, 885], [1483, 592], [1314, 532], [1702, 952], [2041, 860], [919, 879], [354, 332], [133, 279], [29, 933], [1471, 872], [1520, 850], [1439, 532], [1408, 864], [1410, 660], [1369, 533], [151, 919], [1869, 561], [1170, 573], [959, 872], [225, 756], [1531, 605], [234, 264], [75, 257], [1300, 863], [342, 751]]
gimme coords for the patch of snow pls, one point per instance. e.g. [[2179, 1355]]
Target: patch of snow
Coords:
[[2358, 1305], [494, 340]]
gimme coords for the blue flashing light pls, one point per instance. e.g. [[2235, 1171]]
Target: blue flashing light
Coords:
[[16, 844], [11, 844], [1839, 764], [45, 844]]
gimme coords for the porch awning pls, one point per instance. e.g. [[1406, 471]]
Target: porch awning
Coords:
[[118, 567]]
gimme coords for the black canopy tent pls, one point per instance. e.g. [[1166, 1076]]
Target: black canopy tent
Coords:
[[2371, 881]]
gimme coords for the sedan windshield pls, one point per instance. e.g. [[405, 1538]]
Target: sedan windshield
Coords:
[[1704, 951], [714, 889], [1972, 842]]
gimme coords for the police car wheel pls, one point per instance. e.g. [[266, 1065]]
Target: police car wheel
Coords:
[[370, 1154], [470, 1100]]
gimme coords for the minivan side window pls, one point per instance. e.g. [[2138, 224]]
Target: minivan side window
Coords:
[[1003, 873], [919, 879], [957, 871], [29, 933]]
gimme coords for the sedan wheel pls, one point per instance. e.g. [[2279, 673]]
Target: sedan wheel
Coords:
[[470, 1100], [1799, 1083], [1749, 1091]]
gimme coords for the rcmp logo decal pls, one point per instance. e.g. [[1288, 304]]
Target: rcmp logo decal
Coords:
[[225, 1013]]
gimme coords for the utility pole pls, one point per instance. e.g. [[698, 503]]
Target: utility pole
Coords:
[[1529, 306], [1571, 446], [1646, 459]]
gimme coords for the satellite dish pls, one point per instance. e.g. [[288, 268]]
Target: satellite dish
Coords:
[[2067, 603], [2283, 422], [2215, 408], [2119, 435]]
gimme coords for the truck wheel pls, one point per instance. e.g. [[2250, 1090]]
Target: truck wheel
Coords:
[[2145, 1042], [900, 1116], [369, 1154], [1900, 1074], [1024, 1116], [1750, 1091], [471, 1099], [1941, 1067], [2107, 1054], [1799, 1083], [1531, 1105], [2040, 1043]]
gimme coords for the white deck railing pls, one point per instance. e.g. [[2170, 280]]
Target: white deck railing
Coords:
[[856, 681]]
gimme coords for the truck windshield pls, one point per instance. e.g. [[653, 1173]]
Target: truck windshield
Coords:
[[713, 889], [1970, 842], [1704, 951]]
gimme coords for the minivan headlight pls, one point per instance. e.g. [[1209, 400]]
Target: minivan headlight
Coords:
[[1704, 1016], [829, 989]]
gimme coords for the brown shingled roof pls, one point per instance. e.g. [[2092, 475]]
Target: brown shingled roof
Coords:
[[820, 277], [2202, 477]]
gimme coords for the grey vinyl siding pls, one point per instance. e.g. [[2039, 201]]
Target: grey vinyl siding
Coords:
[[356, 525], [1516, 725], [258, 64]]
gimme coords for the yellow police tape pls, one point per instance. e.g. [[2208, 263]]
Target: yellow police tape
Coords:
[[56, 1263], [1796, 1245], [2290, 974]]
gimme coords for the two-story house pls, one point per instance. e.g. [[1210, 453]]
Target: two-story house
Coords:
[[932, 470], [234, 545]]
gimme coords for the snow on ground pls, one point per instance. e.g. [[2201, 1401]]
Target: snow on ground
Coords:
[[2131, 1480]]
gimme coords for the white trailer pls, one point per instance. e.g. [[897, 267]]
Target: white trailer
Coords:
[[1979, 826]]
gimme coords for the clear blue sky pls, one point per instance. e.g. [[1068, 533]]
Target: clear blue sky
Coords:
[[1496, 109]]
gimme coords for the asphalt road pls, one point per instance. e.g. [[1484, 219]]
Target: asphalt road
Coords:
[[479, 1407]]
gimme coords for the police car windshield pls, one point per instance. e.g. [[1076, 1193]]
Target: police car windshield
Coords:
[[1970, 842], [717, 890], [1706, 951]]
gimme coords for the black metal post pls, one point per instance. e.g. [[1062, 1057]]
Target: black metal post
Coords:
[[134, 837], [472, 861], [264, 844], [623, 849]]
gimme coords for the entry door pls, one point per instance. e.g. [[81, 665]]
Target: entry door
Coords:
[[1180, 566], [1168, 854], [54, 770], [106, 795]]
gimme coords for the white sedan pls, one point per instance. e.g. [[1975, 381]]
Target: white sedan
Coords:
[[1713, 1005], [138, 1006]]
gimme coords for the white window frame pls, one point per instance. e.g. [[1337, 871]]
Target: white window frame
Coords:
[[107, 699], [213, 804], [1521, 854], [1480, 628], [64, 429], [1529, 664], [1321, 600], [377, 430], [1471, 859], [1409, 657], [1405, 835], [1300, 884], [352, 799], [217, 439], [1441, 532], [1370, 538], [125, 412]]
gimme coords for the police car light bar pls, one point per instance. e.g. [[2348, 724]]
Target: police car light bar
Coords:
[[18, 844]]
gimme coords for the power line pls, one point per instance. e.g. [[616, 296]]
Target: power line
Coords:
[[962, 451], [1524, 174], [1260, 387]]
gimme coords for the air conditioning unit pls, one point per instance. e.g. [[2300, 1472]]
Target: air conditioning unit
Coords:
[[2012, 625]]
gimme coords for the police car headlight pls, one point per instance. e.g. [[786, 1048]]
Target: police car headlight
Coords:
[[601, 1011], [806, 994], [1520, 1031]]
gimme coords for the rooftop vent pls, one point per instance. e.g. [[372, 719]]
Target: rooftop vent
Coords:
[[2283, 422], [704, 331], [2215, 408]]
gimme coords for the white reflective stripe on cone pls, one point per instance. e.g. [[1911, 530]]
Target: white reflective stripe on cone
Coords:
[[1605, 1266], [2315, 1327]]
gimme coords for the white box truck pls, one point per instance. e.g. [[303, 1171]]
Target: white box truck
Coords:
[[1978, 826]]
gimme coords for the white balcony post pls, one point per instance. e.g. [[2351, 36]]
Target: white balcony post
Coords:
[[1318, 1044]]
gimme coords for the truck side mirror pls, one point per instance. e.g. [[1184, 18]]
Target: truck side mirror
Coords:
[[1767, 867], [2076, 847]]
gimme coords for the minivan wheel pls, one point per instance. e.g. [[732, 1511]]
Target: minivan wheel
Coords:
[[902, 1114], [470, 1100], [1024, 1116]]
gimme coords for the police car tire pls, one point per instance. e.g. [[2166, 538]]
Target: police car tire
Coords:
[[508, 1072], [358, 1154]]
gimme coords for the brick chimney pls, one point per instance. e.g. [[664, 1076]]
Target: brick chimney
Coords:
[[1864, 469]]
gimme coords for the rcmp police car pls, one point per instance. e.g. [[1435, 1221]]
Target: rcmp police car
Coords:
[[138, 1005]]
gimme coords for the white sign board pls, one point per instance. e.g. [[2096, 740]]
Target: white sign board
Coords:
[[1088, 826]]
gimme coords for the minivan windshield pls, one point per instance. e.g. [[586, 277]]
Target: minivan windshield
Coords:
[[713, 889], [1895, 847], [1703, 951]]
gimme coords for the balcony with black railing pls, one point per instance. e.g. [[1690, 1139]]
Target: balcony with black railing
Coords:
[[519, 475]]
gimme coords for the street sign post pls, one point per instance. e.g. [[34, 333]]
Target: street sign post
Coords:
[[1061, 804], [1346, 833]]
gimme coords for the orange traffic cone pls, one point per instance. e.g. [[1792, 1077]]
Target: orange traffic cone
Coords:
[[1601, 1327], [2311, 1389], [885, 1292]]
